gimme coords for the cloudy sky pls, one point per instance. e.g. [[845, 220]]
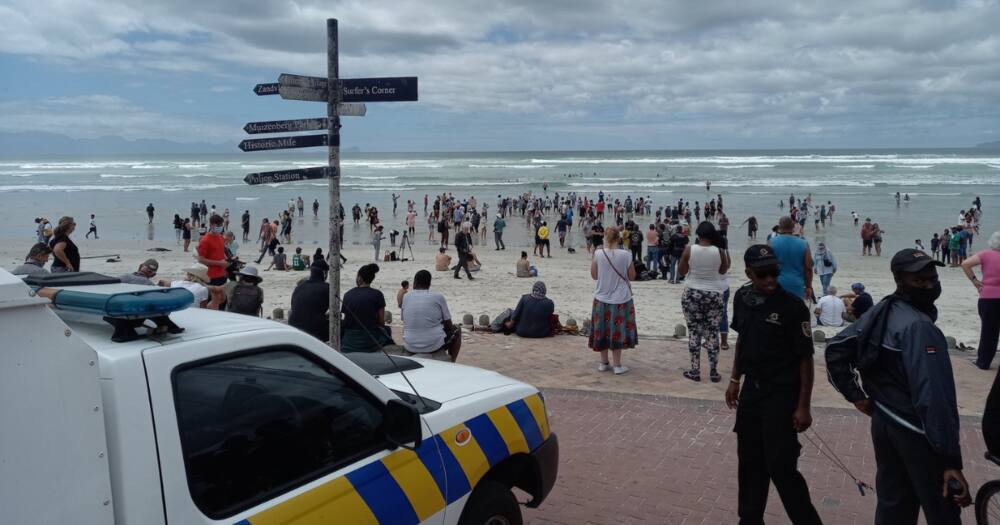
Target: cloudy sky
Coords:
[[517, 74]]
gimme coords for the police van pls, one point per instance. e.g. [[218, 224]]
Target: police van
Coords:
[[121, 405]]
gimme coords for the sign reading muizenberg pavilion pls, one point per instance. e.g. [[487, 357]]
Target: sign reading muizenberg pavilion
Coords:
[[343, 97]]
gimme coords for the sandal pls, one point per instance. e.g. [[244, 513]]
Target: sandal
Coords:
[[714, 376], [693, 375]]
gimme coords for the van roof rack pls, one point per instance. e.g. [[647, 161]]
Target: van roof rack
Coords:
[[124, 309]]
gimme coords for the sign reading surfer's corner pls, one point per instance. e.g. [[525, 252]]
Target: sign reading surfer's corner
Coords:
[[393, 89]]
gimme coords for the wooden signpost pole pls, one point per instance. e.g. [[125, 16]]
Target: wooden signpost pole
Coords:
[[334, 92], [333, 145]]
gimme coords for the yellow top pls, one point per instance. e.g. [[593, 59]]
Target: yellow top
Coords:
[[543, 232]]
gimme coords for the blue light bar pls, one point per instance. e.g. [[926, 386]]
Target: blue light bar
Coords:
[[143, 304]]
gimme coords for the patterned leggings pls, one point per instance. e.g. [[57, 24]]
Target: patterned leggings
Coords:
[[703, 311]]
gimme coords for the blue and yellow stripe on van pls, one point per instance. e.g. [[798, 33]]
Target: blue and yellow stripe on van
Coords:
[[408, 487]]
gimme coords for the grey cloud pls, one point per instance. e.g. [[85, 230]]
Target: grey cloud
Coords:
[[819, 68]]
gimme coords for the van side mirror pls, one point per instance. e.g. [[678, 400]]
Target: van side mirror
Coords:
[[403, 427]]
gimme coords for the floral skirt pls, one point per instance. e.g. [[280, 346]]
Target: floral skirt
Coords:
[[612, 326]]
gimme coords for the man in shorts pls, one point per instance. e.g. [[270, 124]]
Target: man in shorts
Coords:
[[427, 328]]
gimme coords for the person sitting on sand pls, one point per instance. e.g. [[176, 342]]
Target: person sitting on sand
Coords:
[[144, 275], [830, 309], [310, 302], [862, 300], [244, 295], [299, 263], [428, 331], [532, 315], [280, 261], [442, 262], [196, 281], [524, 267], [404, 288], [363, 327]]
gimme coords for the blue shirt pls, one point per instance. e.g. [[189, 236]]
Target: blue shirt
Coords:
[[791, 253]]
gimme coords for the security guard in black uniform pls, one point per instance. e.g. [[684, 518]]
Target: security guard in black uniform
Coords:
[[909, 392], [775, 353]]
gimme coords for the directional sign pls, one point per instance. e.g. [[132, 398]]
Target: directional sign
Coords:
[[352, 109], [391, 89], [314, 89], [286, 79], [307, 94], [277, 126], [266, 89], [301, 141], [271, 177]]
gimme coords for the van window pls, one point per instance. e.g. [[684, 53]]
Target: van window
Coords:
[[258, 424]]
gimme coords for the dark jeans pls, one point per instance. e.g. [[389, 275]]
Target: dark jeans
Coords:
[[463, 262], [498, 238], [908, 477], [989, 331], [768, 451]]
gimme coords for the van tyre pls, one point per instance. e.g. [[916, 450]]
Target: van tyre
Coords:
[[491, 503]]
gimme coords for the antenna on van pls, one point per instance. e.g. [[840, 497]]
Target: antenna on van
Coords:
[[381, 348]]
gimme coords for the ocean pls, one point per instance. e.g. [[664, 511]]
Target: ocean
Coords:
[[940, 182]]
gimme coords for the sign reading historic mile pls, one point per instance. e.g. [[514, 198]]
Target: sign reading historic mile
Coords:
[[343, 100]]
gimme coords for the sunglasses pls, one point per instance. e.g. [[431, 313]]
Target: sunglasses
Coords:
[[762, 273]]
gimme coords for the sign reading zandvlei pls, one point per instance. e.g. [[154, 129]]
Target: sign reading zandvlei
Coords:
[[271, 177], [303, 141], [266, 89]]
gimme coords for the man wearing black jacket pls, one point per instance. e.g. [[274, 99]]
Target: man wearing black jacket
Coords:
[[909, 392], [463, 244]]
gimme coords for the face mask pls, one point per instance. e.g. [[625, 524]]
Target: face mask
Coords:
[[218, 229], [922, 298]]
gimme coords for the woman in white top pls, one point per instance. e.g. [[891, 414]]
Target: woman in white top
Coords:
[[612, 321], [703, 264]]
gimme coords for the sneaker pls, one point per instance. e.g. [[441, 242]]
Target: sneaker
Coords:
[[693, 375], [604, 367], [714, 376], [619, 370]]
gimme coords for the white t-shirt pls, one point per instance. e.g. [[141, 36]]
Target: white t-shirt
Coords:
[[198, 289], [831, 310], [422, 313], [703, 269], [612, 287]]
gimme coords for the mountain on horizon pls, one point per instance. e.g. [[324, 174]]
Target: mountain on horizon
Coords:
[[989, 145], [43, 143]]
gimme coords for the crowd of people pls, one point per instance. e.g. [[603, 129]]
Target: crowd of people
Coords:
[[889, 358]]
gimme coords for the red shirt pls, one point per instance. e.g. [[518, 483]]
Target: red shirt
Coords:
[[213, 246]]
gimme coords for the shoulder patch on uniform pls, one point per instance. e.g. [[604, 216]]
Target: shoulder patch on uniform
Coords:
[[807, 329], [930, 349]]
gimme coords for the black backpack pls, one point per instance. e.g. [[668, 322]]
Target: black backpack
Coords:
[[247, 299]]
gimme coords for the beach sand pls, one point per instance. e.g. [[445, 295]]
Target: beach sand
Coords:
[[495, 287]]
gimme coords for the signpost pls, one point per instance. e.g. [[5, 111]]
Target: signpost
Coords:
[[342, 100], [271, 177], [299, 141]]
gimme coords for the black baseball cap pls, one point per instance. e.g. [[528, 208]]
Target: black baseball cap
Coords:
[[759, 256], [910, 261]]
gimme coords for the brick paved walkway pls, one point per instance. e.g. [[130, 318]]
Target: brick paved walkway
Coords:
[[650, 447], [646, 459]]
